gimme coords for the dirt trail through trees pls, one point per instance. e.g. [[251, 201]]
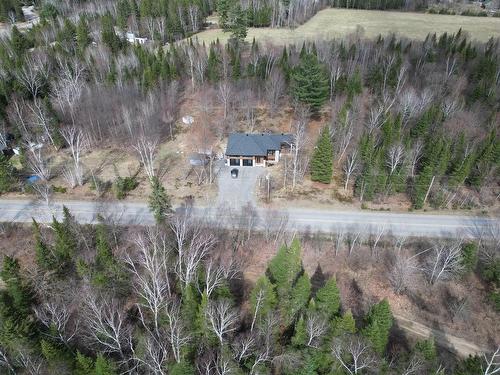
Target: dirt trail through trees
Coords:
[[456, 345]]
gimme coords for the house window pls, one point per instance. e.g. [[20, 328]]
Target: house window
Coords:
[[234, 162], [247, 162]]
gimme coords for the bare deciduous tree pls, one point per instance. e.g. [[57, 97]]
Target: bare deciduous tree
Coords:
[[414, 367], [78, 142], [275, 86], [193, 243], [5, 362], [444, 262], [353, 354], [492, 363], [178, 335], [147, 150], [30, 362], [395, 157], [316, 328], [221, 318], [403, 272], [350, 167], [33, 73], [106, 326], [216, 272], [59, 320], [37, 162], [150, 270], [224, 93]]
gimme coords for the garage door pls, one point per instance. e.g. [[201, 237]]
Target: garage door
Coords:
[[234, 162], [248, 162]]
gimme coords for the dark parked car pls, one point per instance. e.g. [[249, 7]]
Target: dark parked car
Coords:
[[234, 173]]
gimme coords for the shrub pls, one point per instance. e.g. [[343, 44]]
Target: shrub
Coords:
[[469, 256], [59, 189], [494, 298], [123, 185]]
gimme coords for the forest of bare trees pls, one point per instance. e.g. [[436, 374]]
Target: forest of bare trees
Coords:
[[413, 117], [174, 299]]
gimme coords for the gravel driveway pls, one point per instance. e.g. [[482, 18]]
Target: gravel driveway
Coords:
[[237, 192]]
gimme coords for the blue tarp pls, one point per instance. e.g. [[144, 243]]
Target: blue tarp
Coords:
[[32, 179]]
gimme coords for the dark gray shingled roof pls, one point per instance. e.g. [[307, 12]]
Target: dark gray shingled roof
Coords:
[[242, 144]]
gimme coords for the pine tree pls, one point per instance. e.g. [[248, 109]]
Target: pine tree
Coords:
[[182, 368], [159, 201], [213, 65], [299, 337], [42, 251], [19, 42], [469, 256], [16, 323], [238, 23], [327, 298], [83, 365], [322, 159], [378, 324], [108, 34], [104, 366], [17, 288], [284, 268], [65, 244], [309, 82], [82, 34], [299, 298], [264, 296], [344, 324], [427, 348], [6, 174]]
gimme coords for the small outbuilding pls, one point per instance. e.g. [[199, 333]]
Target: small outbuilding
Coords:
[[256, 150]]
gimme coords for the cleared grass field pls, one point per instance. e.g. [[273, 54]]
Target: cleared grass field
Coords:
[[334, 23]]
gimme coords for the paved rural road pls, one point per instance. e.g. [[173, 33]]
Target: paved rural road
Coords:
[[298, 219]]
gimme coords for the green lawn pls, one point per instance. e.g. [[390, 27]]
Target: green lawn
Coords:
[[334, 23]]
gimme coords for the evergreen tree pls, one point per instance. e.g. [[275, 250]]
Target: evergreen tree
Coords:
[[213, 65], [104, 366], [6, 174], [344, 324], [122, 14], [238, 23], [182, 368], [43, 253], [299, 298], [327, 299], [378, 324], [65, 244], [263, 297], [82, 34], [322, 159], [159, 201], [299, 338], [108, 34], [223, 9], [427, 348], [309, 82], [469, 256], [16, 298], [83, 365], [285, 267], [18, 42]]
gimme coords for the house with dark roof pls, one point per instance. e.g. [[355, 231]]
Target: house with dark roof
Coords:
[[256, 150]]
